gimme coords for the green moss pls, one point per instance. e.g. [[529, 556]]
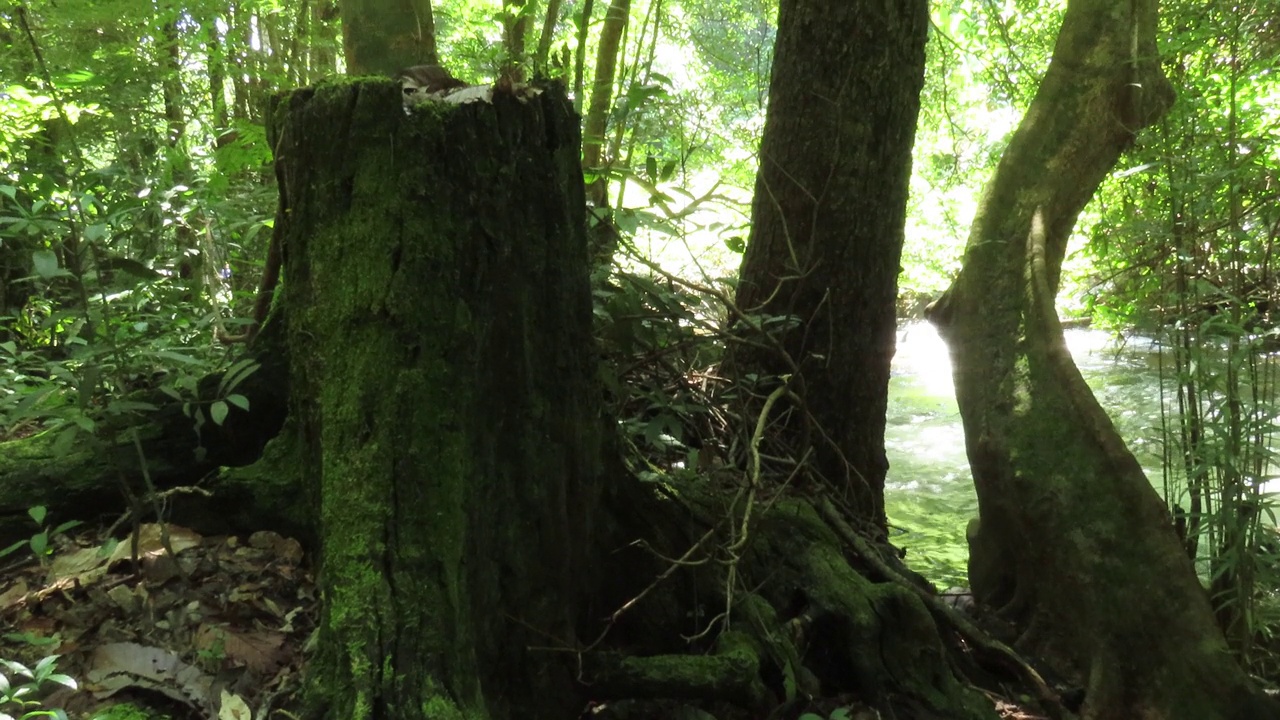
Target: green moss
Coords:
[[430, 115], [127, 711], [438, 706], [408, 281]]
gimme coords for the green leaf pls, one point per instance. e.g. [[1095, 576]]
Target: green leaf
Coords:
[[10, 550], [236, 374], [45, 263], [38, 514], [25, 406], [218, 412], [108, 547], [63, 680], [1135, 170], [62, 444], [131, 267], [120, 407], [175, 356], [45, 666], [63, 527], [88, 383], [239, 401], [95, 232], [30, 639]]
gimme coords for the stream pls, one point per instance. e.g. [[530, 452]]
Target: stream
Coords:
[[929, 494]]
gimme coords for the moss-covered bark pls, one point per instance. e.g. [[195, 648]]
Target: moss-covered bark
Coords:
[[1092, 570], [436, 286], [872, 638], [797, 627]]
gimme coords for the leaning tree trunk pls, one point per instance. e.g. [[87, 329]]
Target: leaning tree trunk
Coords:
[[596, 121], [443, 395], [1073, 542], [827, 226]]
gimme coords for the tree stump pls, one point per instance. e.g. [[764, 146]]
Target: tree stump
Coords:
[[443, 393]]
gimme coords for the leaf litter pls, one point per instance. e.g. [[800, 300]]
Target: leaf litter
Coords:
[[214, 631]]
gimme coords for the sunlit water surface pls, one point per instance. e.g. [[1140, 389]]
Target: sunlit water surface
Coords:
[[929, 492]]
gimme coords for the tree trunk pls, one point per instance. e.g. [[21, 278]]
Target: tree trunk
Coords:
[[241, 55], [217, 72], [596, 121], [515, 37], [549, 20], [172, 92], [828, 218], [383, 36], [1073, 543], [437, 292]]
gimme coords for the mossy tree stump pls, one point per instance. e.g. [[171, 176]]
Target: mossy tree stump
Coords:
[[439, 324]]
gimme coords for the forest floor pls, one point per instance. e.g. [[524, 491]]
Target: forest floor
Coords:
[[215, 630]]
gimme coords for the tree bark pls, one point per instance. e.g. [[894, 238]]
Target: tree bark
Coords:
[[1073, 543], [596, 121], [241, 55], [828, 218], [171, 90], [549, 20], [444, 395], [217, 73], [383, 36], [515, 37]]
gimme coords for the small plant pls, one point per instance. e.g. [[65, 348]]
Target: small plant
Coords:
[[213, 656], [39, 543], [20, 684]]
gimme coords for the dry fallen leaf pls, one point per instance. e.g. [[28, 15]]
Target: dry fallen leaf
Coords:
[[234, 708], [117, 666]]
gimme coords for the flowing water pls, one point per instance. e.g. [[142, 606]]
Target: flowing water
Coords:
[[929, 492]]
